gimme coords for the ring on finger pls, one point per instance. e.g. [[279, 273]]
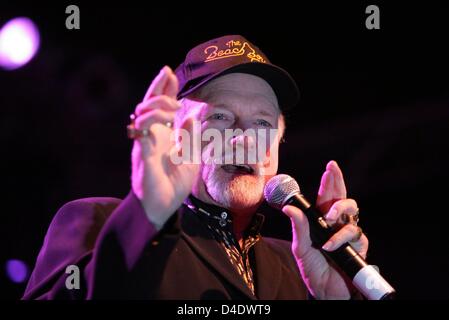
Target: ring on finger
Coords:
[[134, 133], [345, 219], [358, 235]]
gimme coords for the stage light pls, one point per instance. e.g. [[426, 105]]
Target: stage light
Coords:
[[19, 42], [17, 271]]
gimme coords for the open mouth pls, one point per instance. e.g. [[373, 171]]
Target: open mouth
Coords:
[[238, 169]]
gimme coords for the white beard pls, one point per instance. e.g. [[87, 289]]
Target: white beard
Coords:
[[240, 191]]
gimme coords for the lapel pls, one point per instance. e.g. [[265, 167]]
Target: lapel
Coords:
[[268, 271], [200, 240]]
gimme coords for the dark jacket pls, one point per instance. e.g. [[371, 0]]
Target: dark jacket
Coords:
[[121, 255]]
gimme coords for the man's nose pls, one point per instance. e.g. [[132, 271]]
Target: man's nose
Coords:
[[240, 126], [243, 140], [245, 148]]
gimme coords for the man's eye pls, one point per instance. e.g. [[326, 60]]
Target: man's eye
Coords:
[[218, 116], [263, 123]]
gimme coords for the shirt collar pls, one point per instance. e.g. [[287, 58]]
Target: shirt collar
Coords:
[[220, 218]]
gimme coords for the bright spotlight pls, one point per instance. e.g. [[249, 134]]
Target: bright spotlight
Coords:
[[19, 42]]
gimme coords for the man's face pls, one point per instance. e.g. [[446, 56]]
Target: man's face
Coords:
[[245, 102]]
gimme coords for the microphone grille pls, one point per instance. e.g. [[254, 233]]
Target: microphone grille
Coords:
[[279, 189]]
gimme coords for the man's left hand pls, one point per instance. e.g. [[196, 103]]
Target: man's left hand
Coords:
[[321, 278]]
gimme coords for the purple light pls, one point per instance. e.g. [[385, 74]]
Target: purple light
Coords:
[[19, 42], [17, 271]]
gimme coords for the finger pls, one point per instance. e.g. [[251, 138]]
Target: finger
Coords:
[[171, 86], [146, 120], [346, 234], [300, 226], [184, 141], [192, 127], [339, 182], [159, 102], [340, 208], [295, 214], [157, 86], [325, 193]]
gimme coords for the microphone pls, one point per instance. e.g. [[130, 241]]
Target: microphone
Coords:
[[282, 190]]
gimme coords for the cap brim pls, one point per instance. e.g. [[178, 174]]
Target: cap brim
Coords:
[[283, 85]]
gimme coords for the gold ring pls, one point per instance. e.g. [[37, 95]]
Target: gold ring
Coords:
[[345, 219], [358, 235], [134, 133], [355, 217]]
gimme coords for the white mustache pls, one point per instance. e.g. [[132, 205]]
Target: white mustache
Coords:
[[239, 156]]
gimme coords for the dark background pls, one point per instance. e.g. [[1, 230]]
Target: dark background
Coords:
[[376, 101]]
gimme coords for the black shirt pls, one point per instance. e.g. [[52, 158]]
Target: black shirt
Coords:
[[219, 221]]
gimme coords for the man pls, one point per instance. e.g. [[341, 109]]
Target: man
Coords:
[[189, 230]]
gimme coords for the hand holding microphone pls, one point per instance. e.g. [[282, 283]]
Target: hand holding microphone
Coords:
[[328, 258]]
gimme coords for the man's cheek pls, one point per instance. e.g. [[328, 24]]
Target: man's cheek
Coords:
[[270, 163], [267, 145], [207, 154], [269, 170]]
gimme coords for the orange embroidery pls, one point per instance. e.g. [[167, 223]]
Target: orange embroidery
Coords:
[[235, 49]]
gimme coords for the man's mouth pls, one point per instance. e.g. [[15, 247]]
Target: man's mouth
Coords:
[[238, 169]]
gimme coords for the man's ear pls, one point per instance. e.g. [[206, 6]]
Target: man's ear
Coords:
[[281, 128]]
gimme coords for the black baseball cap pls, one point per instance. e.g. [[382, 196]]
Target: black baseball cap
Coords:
[[229, 54]]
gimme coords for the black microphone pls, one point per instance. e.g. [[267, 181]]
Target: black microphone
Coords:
[[282, 190]]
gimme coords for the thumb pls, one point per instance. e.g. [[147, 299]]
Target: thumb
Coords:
[[188, 140], [193, 126], [300, 229]]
